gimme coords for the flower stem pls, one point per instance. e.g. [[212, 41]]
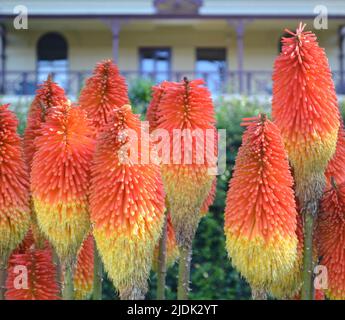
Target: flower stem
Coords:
[[307, 289], [258, 294], [97, 275], [57, 263], [184, 272], [133, 293], [3, 275], [162, 262], [68, 286]]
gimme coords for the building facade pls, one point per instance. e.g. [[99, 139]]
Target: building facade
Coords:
[[232, 44]]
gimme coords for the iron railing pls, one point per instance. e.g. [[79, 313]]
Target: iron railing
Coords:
[[233, 82]]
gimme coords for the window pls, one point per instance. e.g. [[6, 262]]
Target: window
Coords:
[[211, 66], [155, 63], [52, 58]]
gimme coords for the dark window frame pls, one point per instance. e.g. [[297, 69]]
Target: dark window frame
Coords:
[[223, 75], [66, 49], [155, 48]]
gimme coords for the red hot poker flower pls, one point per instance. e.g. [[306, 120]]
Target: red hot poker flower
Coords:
[[105, 90], [305, 109], [187, 107], [14, 186], [127, 205], [260, 214], [60, 178]]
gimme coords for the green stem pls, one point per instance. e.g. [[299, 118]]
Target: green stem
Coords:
[[162, 262], [132, 293], [184, 272], [68, 286], [57, 263], [307, 289], [97, 275], [3, 275], [259, 294]]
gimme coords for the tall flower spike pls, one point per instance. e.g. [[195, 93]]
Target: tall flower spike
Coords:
[[331, 240], [40, 283], [260, 213], [14, 186], [186, 106], [83, 276], [152, 116], [305, 109], [127, 205], [336, 166], [47, 96], [172, 252], [103, 91], [60, 178]]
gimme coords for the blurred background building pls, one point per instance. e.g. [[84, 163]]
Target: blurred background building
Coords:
[[232, 44]]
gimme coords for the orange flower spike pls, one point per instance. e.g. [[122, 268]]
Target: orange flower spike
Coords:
[[336, 166], [41, 276], [48, 95], [305, 109], [186, 105], [103, 91], [83, 277], [172, 251], [260, 214], [127, 205], [331, 239], [14, 185], [60, 178]]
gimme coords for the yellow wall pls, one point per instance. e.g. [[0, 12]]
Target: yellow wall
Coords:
[[91, 42]]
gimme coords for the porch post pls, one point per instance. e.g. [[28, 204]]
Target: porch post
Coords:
[[240, 52], [240, 28], [2, 58], [115, 26]]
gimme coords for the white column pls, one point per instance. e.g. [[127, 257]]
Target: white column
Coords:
[[239, 25], [115, 27]]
